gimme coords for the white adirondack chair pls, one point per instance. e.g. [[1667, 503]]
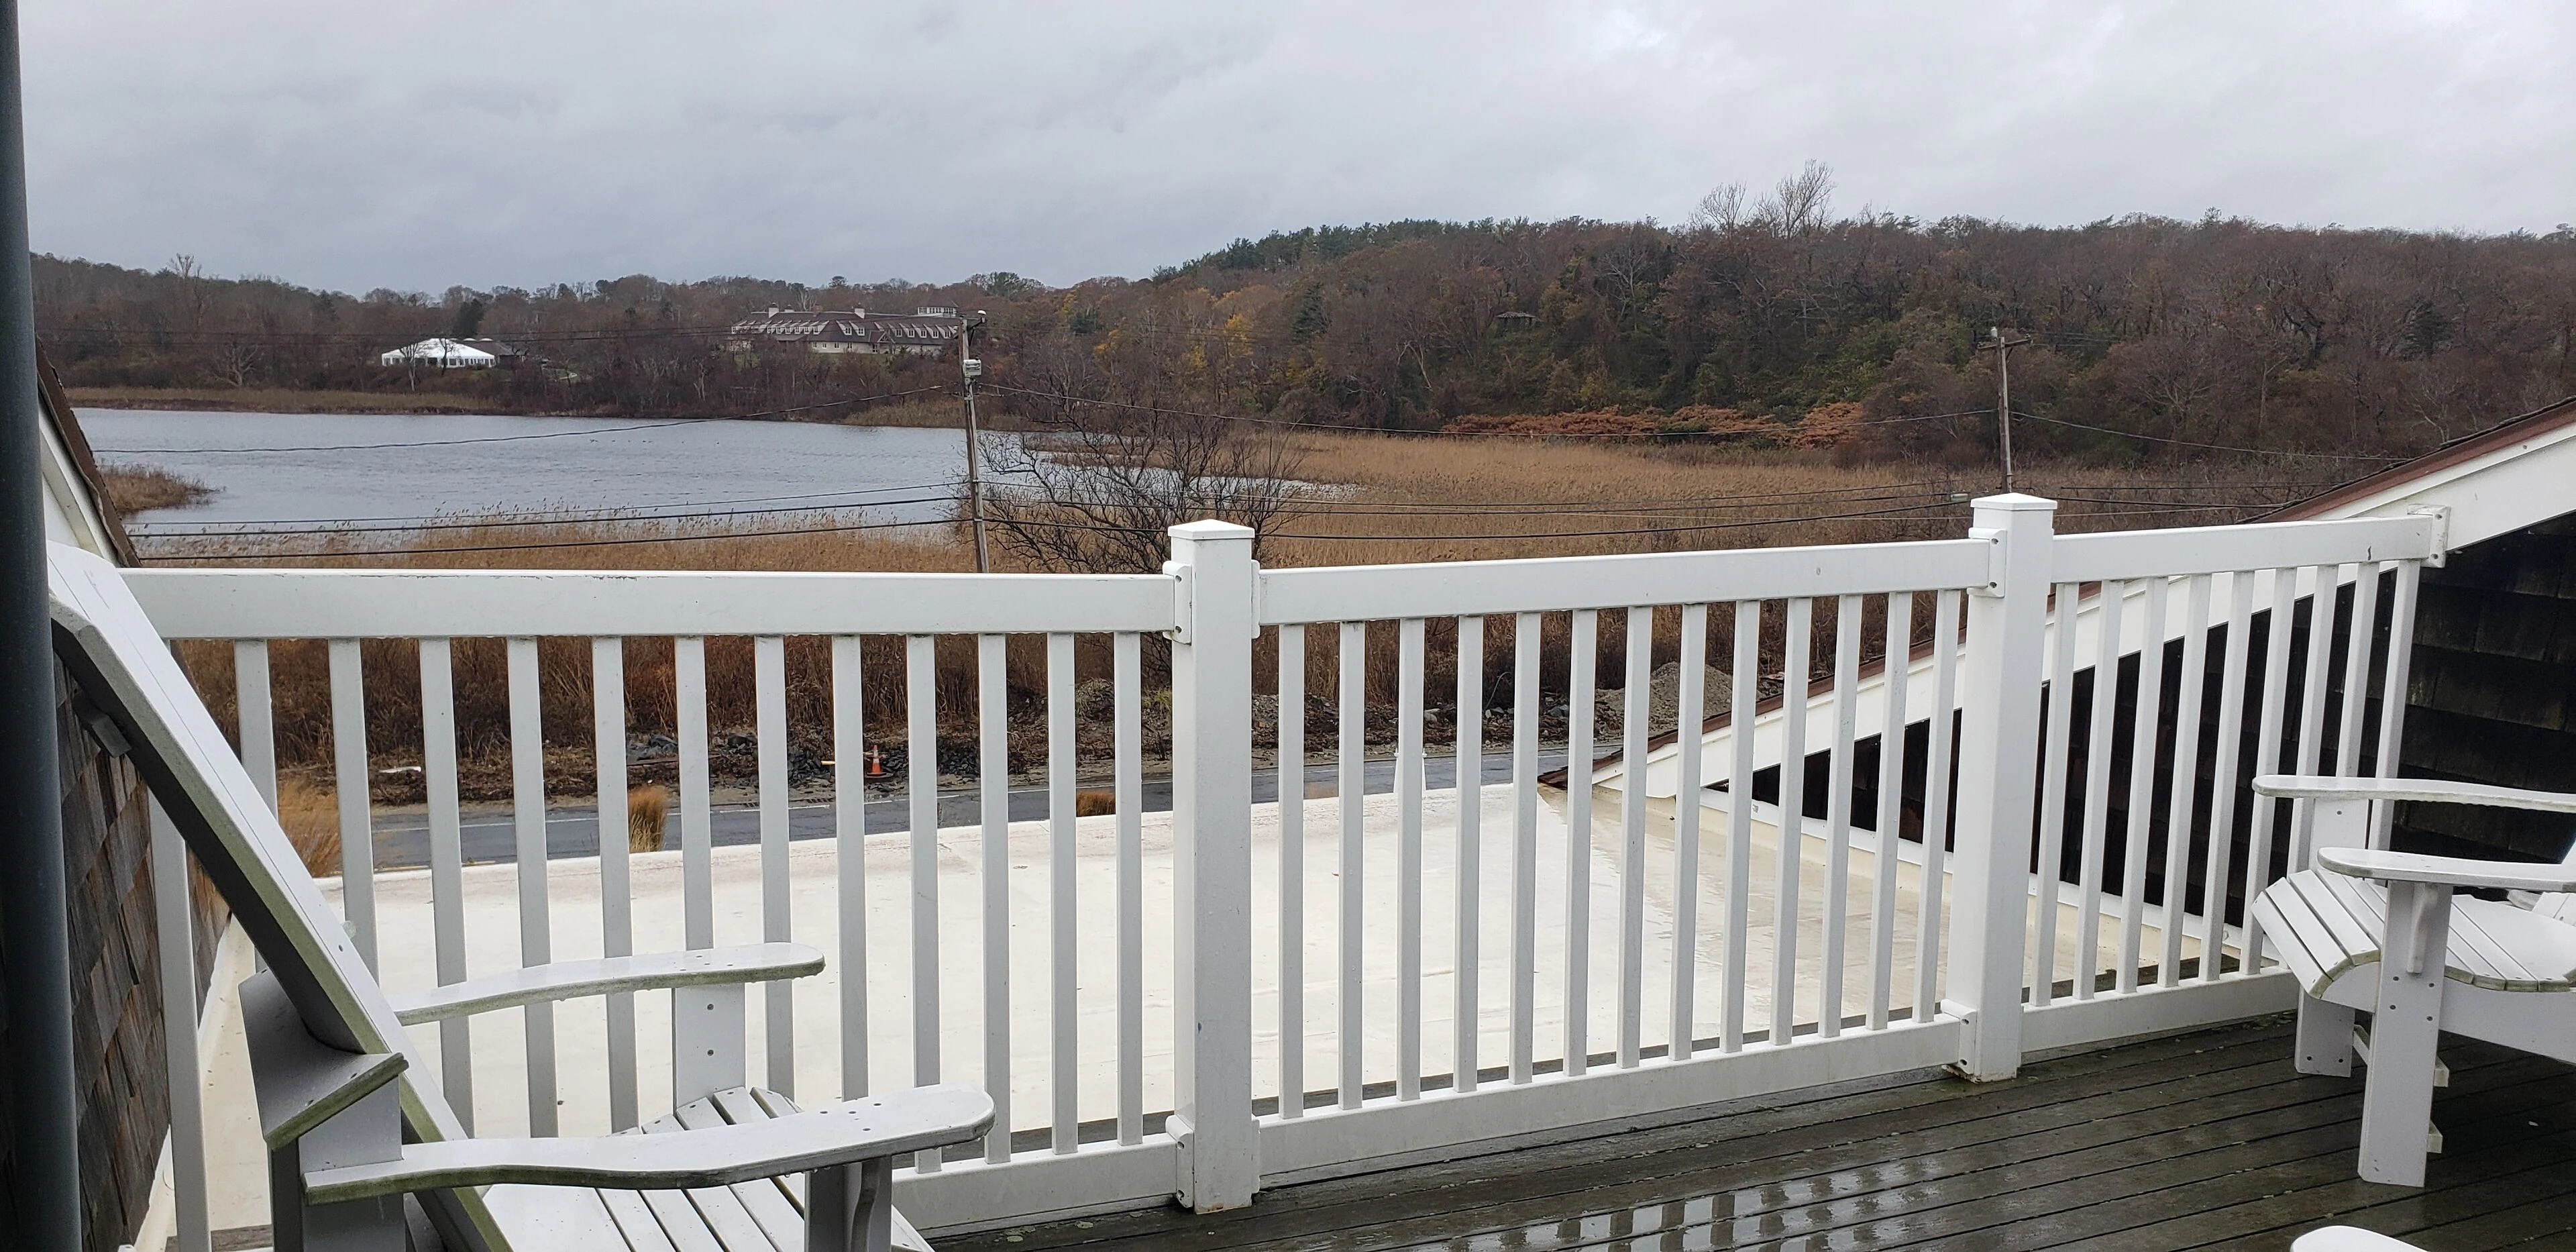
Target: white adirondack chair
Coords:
[[352, 1129], [2381, 932]]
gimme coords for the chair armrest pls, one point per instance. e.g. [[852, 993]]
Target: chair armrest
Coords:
[[299, 1081], [2446, 870], [2425, 790], [717, 1156], [568, 980]]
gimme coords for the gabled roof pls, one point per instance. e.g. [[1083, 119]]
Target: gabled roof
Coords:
[[2459, 453], [72, 481]]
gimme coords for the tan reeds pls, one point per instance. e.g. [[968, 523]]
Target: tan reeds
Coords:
[[311, 816], [1391, 500], [647, 807]]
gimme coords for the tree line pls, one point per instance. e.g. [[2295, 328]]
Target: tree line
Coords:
[[2150, 339]]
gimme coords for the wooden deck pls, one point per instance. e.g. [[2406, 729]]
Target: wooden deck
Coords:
[[2207, 1140]]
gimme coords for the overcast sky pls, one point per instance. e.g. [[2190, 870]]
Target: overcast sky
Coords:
[[355, 145]]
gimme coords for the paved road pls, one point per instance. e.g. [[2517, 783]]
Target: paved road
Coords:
[[402, 839]]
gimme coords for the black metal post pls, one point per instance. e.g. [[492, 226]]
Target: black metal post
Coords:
[[35, 946]]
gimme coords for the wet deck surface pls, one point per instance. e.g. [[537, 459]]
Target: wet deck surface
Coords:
[[2209, 1140]]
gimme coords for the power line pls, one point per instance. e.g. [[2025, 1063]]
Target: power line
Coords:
[[566, 516], [2215, 447]]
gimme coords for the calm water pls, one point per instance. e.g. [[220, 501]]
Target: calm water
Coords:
[[291, 468]]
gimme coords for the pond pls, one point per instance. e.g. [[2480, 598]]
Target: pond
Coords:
[[296, 469]]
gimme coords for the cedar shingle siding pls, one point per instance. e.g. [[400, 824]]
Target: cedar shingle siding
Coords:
[[116, 984], [2491, 689]]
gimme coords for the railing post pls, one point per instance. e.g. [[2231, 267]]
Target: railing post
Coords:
[[1220, 1151], [1998, 771]]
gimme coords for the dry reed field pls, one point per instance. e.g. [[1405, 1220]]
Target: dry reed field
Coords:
[[1378, 500]]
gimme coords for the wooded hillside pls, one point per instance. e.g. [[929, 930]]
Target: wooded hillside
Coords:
[[1759, 312]]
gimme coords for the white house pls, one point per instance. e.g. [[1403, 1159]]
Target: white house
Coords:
[[475, 354]]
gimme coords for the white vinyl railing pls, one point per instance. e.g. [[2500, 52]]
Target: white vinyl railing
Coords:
[[1354, 979]]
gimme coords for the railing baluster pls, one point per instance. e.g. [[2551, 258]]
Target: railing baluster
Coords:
[[350, 783], [921, 795], [2144, 733], [769, 728], [1838, 814], [1744, 685], [1127, 779], [2358, 637], [2056, 744], [993, 812], [1525, 648], [1291, 755], [2186, 777], [849, 845], [1408, 859], [446, 867], [1792, 821], [2392, 691], [2323, 592], [536, 922], [1469, 774], [616, 882], [2110, 602], [1060, 908], [2222, 785], [1896, 670], [2267, 753], [1690, 717], [175, 944], [1350, 759], [251, 706], [697, 864], [1584, 653], [1634, 706], [1938, 748]]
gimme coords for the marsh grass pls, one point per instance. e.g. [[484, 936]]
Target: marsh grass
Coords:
[[132, 489], [1380, 500], [310, 813], [647, 808]]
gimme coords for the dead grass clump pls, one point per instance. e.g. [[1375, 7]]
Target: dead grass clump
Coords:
[[647, 807], [1094, 803], [132, 489], [311, 816]]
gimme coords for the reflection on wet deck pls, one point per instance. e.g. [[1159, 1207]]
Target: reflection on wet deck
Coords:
[[2201, 1140]]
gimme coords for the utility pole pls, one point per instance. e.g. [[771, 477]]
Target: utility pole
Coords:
[[973, 369], [35, 975], [2002, 348]]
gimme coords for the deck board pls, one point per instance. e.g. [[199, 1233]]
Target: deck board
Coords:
[[2201, 1140]]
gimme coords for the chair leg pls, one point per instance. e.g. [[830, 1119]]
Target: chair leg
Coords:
[[2325, 1038], [850, 1208], [2405, 1032]]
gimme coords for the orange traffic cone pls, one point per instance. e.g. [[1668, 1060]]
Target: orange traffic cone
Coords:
[[876, 766]]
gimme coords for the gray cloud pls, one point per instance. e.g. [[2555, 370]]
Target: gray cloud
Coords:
[[417, 145]]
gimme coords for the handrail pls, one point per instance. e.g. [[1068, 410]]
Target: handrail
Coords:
[[2121, 554], [345, 604], [1452, 588]]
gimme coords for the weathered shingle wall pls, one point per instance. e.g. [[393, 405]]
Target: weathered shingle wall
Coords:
[[2492, 691], [116, 986]]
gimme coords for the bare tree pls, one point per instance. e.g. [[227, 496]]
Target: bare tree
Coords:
[[1801, 203], [1722, 209], [1097, 494]]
